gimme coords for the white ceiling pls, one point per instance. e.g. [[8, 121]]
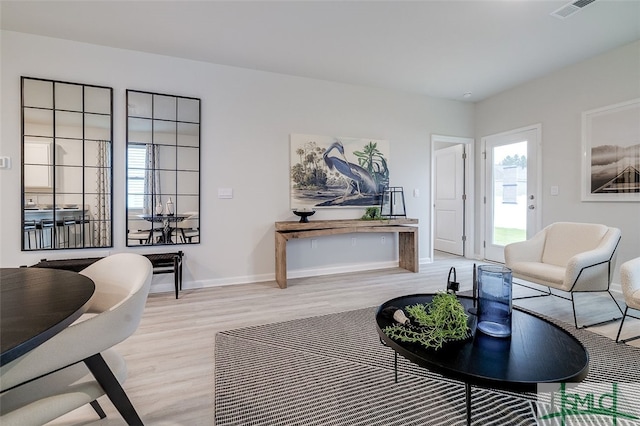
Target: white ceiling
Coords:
[[436, 48]]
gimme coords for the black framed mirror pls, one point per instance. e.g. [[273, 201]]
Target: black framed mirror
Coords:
[[163, 169], [67, 175]]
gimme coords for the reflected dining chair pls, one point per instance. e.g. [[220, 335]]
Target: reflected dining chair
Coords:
[[48, 225], [79, 364], [29, 229], [189, 228], [141, 236]]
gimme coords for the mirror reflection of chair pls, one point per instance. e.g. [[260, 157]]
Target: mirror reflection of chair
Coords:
[[79, 364], [63, 231], [29, 229], [630, 278], [140, 233], [81, 223], [46, 225], [141, 236], [189, 234], [188, 229]]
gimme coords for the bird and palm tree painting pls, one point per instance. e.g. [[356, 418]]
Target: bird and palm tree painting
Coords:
[[337, 172]]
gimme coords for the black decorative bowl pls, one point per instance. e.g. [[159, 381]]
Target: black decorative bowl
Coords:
[[304, 214]]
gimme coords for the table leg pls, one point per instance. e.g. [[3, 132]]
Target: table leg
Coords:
[[395, 364], [467, 391], [166, 232], [281, 260], [408, 250]]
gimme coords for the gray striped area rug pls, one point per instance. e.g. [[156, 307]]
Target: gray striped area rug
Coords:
[[332, 370]]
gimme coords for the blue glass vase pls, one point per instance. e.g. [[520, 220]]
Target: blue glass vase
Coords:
[[494, 300]]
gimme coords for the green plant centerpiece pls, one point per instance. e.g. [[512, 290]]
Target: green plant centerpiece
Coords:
[[372, 213], [433, 324]]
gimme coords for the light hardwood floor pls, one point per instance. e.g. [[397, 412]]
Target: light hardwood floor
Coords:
[[171, 356]]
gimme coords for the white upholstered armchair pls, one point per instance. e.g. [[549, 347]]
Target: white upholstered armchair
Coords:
[[78, 365], [630, 277], [567, 256]]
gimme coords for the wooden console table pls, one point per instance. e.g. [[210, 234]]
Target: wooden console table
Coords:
[[407, 238]]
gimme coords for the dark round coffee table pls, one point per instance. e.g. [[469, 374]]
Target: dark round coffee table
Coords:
[[537, 352]]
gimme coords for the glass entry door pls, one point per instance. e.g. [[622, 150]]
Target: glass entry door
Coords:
[[511, 189]]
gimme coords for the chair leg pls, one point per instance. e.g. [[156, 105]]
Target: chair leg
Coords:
[[573, 306], [620, 329], [98, 409], [180, 269], [176, 274], [547, 293], [104, 376], [621, 323]]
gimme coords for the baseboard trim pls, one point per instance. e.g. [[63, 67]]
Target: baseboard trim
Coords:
[[165, 284]]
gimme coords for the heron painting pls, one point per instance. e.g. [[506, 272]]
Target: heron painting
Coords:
[[337, 172]]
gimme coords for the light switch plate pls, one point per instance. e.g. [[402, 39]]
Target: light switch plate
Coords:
[[225, 192]]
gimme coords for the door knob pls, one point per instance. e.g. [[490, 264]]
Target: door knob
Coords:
[[531, 207]]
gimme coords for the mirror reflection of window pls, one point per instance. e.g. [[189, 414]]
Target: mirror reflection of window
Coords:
[[163, 169], [66, 165], [135, 176]]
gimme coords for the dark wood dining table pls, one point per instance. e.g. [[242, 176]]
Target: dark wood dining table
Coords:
[[166, 221], [36, 304]]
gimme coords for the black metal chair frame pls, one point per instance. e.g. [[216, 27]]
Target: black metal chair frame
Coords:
[[624, 316], [571, 292]]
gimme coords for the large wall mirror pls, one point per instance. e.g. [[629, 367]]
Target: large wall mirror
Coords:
[[163, 169], [67, 133]]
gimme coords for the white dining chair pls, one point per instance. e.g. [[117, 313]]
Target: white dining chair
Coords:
[[188, 229], [79, 364]]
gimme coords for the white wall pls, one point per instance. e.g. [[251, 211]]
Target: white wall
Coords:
[[247, 117], [557, 101]]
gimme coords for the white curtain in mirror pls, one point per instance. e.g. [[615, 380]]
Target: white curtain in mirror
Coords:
[[102, 213], [152, 178]]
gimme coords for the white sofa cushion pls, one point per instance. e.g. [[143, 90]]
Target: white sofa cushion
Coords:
[[542, 273]]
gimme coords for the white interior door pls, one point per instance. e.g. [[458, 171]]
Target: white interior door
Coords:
[[448, 200], [511, 189]]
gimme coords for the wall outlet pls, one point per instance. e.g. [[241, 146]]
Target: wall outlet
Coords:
[[314, 243], [383, 240], [353, 241]]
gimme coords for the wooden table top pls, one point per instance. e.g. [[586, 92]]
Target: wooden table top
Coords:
[[285, 226], [36, 304]]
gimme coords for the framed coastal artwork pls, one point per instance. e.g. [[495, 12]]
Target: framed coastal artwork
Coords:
[[611, 153], [329, 171]]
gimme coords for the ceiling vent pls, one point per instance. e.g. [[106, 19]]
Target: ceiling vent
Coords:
[[569, 9]]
